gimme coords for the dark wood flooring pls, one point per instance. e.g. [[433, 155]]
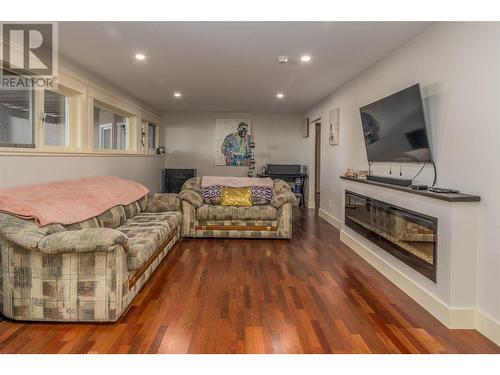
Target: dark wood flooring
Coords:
[[308, 295]]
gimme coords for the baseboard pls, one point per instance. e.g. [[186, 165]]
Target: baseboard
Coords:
[[488, 326], [330, 218], [454, 318]]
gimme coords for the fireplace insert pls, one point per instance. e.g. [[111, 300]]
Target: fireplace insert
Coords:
[[407, 235]]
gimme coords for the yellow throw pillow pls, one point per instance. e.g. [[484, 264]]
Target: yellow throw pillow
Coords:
[[236, 197]]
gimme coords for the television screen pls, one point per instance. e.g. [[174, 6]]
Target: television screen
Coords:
[[394, 128]]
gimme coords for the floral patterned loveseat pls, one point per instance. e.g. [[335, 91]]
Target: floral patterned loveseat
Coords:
[[89, 271]]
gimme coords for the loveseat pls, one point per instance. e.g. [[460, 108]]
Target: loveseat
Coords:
[[89, 271], [202, 218]]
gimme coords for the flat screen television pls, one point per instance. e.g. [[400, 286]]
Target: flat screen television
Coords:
[[394, 128]]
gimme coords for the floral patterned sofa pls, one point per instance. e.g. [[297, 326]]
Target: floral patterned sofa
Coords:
[[89, 271], [202, 219]]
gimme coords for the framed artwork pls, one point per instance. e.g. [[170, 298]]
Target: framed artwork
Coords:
[[233, 141], [305, 128], [334, 122]]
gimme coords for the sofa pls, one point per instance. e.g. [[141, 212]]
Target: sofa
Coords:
[[203, 218], [89, 271]]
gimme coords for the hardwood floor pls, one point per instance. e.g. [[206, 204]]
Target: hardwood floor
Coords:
[[308, 295]]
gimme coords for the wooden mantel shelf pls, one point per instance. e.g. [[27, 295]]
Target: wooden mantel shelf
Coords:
[[449, 197]]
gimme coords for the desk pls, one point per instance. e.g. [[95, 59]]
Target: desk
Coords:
[[290, 177]]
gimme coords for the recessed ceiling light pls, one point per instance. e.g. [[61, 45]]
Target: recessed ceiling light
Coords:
[[305, 58], [140, 56], [177, 94], [282, 59], [280, 95]]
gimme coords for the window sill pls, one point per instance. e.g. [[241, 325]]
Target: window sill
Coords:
[[75, 153]]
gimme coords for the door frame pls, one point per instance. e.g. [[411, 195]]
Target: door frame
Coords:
[[311, 193]]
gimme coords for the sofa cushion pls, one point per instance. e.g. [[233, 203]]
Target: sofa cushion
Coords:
[[163, 202], [146, 232], [208, 212], [112, 218], [132, 209], [142, 202], [86, 224]]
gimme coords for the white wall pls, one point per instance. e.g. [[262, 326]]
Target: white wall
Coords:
[[189, 140], [28, 170], [457, 66]]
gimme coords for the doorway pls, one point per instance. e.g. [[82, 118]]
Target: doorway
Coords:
[[317, 164]]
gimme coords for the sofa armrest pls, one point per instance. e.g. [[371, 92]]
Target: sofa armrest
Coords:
[[285, 222], [162, 202], [279, 200], [191, 196], [83, 240], [25, 233]]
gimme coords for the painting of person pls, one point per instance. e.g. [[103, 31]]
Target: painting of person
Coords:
[[236, 146]]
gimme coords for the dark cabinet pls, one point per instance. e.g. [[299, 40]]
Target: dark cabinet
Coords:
[[173, 179]]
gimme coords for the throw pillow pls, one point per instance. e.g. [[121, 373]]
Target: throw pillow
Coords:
[[261, 195], [211, 194], [236, 197]]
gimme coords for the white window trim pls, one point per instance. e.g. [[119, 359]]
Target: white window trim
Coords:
[[146, 149], [33, 120], [102, 129], [73, 127], [131, 128], [155, 145]]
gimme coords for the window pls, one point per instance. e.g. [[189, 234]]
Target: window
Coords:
[[16, 118], [55, 119], [152, 138], [110, 130]]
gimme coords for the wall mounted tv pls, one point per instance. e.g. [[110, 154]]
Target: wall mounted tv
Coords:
[[394, 128]]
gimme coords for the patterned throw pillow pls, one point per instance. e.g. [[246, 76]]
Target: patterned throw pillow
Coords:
[[236, 197], [261, 195], [211, 194]]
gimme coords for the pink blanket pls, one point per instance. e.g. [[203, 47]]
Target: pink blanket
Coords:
[[207, 181], [70, 201]]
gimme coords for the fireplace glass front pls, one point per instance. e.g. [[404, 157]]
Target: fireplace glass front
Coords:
[[407, 235]]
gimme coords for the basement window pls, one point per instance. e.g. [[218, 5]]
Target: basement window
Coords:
[[110, 130], [152, 138], [55, 119], [16, 118]]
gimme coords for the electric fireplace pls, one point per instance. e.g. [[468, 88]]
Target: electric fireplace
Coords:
[[407, 235]]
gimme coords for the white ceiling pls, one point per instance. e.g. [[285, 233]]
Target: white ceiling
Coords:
[[230, 66]]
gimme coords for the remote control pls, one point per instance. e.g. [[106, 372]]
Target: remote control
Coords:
[[442, 190], [419, 187]]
